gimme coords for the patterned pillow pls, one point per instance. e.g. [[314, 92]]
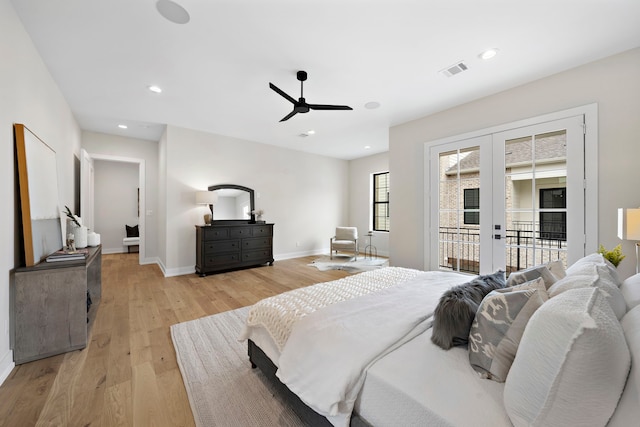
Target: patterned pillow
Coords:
[[535, 284], [557, 268], [519, 277], [498, 327]]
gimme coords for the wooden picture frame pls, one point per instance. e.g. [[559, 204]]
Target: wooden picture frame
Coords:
[[39, 200]]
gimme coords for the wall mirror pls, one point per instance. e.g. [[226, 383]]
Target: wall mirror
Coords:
[[38, 182], [235, 203]]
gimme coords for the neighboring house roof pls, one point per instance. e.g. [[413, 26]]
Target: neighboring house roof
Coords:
[[551, 147]]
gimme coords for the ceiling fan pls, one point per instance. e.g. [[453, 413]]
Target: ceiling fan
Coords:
[[301, 106]]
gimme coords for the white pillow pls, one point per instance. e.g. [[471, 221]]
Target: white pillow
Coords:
[[630, 289], [596, 276], [597, 259], [628, 409], [571, 365]]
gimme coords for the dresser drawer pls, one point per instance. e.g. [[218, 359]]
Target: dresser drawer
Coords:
[[222, 259], [263, 255], [219, 246], [262, 231], [256, 243], [214, 233], [239, 232]]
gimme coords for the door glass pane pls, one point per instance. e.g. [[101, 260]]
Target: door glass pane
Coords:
[[459, 210], [535, 192]]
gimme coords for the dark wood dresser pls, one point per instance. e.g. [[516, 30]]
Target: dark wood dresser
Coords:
[[228, 246]]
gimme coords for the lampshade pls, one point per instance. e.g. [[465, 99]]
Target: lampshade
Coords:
[[629, 224], [206, 198]]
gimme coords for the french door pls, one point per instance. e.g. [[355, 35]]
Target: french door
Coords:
[[508, 200]]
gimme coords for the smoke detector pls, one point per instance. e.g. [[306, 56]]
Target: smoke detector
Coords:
[[454, 69]]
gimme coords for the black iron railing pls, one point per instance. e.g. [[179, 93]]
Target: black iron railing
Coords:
[[460, 248]]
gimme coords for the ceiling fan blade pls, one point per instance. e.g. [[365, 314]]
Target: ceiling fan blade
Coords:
[[284, 95], [328, 107], [288, 116]]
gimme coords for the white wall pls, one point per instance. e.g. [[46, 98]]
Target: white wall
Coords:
[[29, 96], [115, 202], [133, 148], [360, 199], [612, 83], [305, 195]]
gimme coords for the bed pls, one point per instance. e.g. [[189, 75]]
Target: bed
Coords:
[[358, 351], [374, 293]]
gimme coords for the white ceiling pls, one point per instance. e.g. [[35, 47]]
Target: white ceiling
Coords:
[[215, 70]]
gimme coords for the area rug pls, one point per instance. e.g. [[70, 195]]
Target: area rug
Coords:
[[223, 390], [349, 263]]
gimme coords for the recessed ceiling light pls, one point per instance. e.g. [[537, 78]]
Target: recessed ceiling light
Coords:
[[367, 147], [155, 89], [172, 11], [489, 53], [122, 126], [307, 133], [372, 105]]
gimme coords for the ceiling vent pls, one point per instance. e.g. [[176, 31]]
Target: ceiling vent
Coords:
[[454, 69]]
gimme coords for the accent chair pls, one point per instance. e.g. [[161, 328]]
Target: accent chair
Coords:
[[346, 238]]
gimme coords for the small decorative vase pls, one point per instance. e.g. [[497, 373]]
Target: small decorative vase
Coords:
[[93, 239], [80, 236], [207, 219]]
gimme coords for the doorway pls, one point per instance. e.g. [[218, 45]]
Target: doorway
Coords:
[[88, 196], [501, 200]]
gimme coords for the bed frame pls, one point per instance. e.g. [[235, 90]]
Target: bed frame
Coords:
[[259, 359]]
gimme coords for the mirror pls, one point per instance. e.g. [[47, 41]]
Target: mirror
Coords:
[[235, 203], [38, 181]]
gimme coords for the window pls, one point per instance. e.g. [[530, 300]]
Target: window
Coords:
[[381, 201], [553, 225], [471, 201]]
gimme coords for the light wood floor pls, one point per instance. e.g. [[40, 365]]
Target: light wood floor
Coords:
[[128, 374]]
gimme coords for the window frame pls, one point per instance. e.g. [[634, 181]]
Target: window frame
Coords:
[[376, 203], [476, 208], [545, 224]]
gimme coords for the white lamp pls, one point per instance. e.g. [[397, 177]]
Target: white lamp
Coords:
[[207, 198], [629, 228]]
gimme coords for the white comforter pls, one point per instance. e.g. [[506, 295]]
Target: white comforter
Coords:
[[325, 359]]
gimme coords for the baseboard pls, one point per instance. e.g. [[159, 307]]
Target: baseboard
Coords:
[[170, 272], [154, 260], [6, 366], [321, 251], [106, 251], [179, 271]]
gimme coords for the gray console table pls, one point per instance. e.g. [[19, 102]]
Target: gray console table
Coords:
[[49, 306]]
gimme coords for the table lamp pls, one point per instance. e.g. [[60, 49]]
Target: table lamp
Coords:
[[207, 198], [629, 228]]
